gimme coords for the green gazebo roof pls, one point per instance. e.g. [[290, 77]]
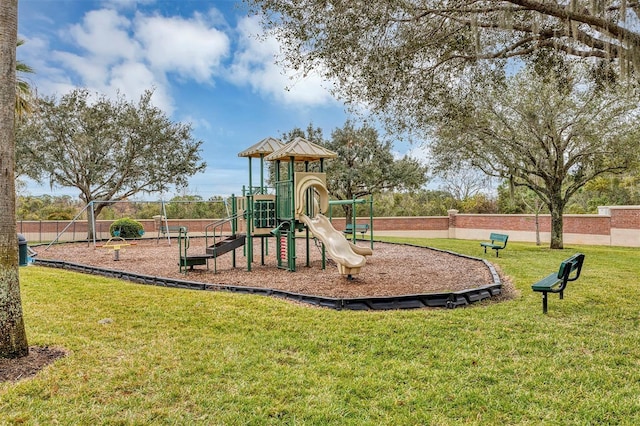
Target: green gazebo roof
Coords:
[[301, 149], [265, 147]]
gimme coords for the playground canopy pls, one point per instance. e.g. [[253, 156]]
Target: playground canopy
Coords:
[[263, 148], [301, 149]]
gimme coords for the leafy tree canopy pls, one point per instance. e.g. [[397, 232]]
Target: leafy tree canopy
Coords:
[[23, 88], [402, 57], [194, 207], [108, 149], [607, 190], [415, 203], [46, 207]]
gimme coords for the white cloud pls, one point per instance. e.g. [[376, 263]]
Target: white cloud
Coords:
[[108, 52], [104, 35], [197, 123], [35, 52], [91, 73], [117, 49], [110, 59], [189, 47], [254, 65]]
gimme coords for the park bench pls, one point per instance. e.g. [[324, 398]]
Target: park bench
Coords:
[[498, 242], [557, 282], [164, 228], [359, 227], [170, 229]]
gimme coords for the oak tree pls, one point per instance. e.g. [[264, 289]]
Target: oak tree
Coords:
[[108, 149], [550, 130]]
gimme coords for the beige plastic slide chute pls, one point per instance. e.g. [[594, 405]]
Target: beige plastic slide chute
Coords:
[[316, 181], [349, 257]]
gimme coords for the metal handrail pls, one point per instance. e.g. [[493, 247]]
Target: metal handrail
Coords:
[[217, 225]]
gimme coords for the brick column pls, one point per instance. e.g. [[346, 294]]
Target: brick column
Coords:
[[625, 225], [452, 222]]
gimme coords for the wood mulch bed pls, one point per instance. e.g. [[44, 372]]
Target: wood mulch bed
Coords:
[[392, 269]]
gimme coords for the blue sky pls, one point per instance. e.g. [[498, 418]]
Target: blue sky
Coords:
[[203, 59]]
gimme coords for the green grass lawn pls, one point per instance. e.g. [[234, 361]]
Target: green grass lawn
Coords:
[[192, 357]]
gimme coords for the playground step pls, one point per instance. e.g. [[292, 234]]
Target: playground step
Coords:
[[226, 245], [192, 261]]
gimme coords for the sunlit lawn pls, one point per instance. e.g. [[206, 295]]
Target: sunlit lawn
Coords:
[[192, 357]]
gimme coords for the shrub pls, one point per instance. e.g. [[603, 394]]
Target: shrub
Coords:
[[59, 216], [128, 228]]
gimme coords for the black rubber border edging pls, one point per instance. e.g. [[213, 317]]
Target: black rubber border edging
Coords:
[[410, 301]]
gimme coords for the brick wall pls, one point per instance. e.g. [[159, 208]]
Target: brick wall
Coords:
[[616, 226], [625, 218], [418, 223]]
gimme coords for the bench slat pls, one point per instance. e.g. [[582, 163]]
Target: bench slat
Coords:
[[165, 229], [547, 283]]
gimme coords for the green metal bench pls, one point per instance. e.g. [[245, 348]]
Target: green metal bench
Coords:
[[557, 282], [360, 227], [498, 242], [165, 230], [170, 229]]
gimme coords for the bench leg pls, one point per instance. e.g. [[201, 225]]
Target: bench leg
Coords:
[[497, 252], [562, 294], [544, 302]]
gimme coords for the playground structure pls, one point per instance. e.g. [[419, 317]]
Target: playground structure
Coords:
[[297, 204], [283, 218]]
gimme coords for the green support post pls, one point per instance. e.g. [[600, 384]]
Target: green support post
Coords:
[[234, 228], [291, 239], [249, 240], [261, 174], [183, 247], [371, 219], [291, 247]]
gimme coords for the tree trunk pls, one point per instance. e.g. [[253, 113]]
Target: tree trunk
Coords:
[[93, 211], [556, 208], [13, 338], [91, 221], [348, 212]]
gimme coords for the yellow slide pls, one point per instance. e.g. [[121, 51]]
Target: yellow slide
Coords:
[[349, 257]]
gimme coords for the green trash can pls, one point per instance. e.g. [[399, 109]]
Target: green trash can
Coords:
[[22, 250]]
